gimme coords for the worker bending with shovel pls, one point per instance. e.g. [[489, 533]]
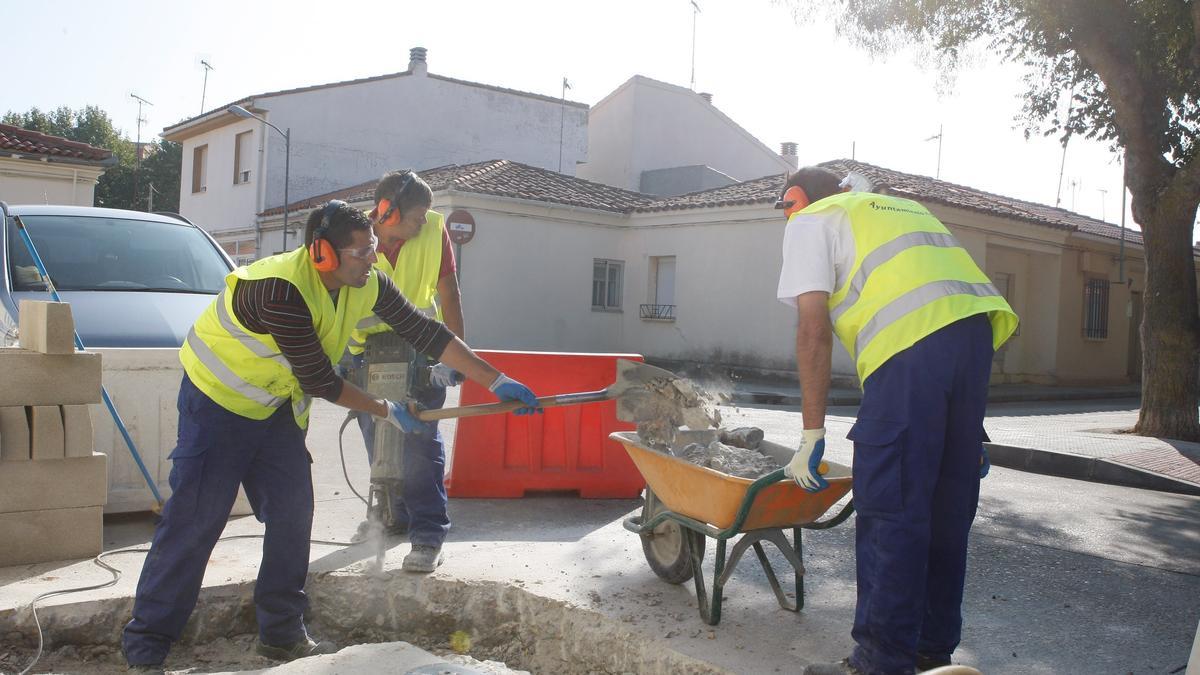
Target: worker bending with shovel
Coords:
[[253, 361], [921, 322], [414, 252]]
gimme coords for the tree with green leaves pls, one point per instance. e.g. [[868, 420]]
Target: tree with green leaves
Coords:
[[1132, 70], [160, 165]]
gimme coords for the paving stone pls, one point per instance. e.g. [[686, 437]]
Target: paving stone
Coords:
[[53, 534], [46, 432], [54, 484], [77, 431], [14, 434], [33, 378], [46, 327]]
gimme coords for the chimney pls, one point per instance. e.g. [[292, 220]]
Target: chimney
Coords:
[[416, 61], [706, 96], [787, 150]]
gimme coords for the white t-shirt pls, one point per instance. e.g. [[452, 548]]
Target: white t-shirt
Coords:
[[818, 253]]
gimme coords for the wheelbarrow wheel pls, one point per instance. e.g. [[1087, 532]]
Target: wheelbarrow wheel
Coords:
[[666, 546]]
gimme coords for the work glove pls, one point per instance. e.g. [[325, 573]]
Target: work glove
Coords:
[[985, 464], [804, 464], [442, 375], [400, 417], [507, 389]]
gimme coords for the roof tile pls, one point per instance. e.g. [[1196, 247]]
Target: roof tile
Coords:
[[23, 141]]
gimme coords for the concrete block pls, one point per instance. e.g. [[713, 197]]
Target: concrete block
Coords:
[[46, 327], [55, 534], [77, 431], [33, 378], [14, 434], [54, 484], [46, 432]]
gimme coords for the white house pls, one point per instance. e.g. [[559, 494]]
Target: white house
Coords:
[[37, 168], [662, 139], [345, 133]]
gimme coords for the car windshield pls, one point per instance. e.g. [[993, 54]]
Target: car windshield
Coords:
[[83, 253]]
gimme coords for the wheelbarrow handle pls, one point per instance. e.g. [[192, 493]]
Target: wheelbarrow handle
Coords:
[[509, 406]]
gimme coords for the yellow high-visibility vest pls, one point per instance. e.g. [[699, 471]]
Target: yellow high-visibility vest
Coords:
[[244, 372], [910, 278], [415, 274]]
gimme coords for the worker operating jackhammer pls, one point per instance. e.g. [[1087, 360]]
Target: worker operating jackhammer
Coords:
[[414, 252], [252, 362], [921, 321]]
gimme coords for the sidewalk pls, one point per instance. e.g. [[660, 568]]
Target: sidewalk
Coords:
[[1071, 432]]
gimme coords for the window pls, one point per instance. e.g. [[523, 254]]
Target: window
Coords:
[[606, 283], [1095, 309], [199, 167], [242, 147], [662, 290]]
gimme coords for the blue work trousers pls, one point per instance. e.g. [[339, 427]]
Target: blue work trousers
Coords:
[[216, 451], [422, 507], [917, 447]]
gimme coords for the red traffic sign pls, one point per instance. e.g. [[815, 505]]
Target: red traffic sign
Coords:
[[461, 226]]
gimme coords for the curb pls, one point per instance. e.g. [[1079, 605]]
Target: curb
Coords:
[[1093, 469], [779, 398]]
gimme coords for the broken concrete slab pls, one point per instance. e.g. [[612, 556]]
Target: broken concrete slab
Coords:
[[46, 327], [54, 484], [14, 434], [54, 534], [33, 378], [46, 432]]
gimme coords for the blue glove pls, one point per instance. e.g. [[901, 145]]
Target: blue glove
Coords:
[[985, 464], [400, 417], [442, 375], [805, 465], [507, 389]]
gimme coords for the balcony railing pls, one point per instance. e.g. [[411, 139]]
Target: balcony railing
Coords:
[[657, 312]]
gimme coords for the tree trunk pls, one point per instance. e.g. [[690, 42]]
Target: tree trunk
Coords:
[[1170, 325]]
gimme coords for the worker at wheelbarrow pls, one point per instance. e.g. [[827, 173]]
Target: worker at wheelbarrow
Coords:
[[414, 252], [921, 322], [253, 361]]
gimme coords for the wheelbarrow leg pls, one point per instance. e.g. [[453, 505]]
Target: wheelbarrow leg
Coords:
[[710, 609], [775, 536]]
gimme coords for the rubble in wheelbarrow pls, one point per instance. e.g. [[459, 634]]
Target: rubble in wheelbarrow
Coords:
[[667, 403], [735, 452]]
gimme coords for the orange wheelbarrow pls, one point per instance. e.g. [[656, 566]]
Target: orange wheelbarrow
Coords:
[[686, 503]]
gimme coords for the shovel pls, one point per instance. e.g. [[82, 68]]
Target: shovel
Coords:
[[632, 377]]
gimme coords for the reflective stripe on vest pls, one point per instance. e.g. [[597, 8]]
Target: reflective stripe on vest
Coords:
[[245, 372], [415, 274], [910, 278]]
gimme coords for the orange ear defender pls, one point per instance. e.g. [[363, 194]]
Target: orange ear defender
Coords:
[[794, 199], [321, 250], [389, 209]]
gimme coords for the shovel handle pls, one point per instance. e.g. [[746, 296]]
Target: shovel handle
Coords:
[[509, 406]]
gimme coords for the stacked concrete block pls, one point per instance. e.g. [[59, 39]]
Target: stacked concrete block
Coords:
[[53, 487]]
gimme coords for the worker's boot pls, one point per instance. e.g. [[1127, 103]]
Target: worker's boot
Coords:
[[147, 669], [296, 650], [423, 558], [842, 667], [927, 662]]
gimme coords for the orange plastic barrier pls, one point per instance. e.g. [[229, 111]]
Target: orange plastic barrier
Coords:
[[564, 449]]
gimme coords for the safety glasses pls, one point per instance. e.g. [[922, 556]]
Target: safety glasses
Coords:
[[365, 252]]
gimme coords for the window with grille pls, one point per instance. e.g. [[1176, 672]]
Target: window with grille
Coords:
[[606, 283], [1095, 309]]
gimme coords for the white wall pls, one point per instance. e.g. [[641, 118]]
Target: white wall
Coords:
[[655, 125], [28, 181], [223, 205], [349, 134]]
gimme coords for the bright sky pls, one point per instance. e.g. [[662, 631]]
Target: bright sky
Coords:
[[779, 80]]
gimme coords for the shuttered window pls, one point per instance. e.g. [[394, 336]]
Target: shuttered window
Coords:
[[1095, 309]]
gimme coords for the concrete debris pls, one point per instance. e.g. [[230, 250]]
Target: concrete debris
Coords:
[[735, 461], [664, 405]]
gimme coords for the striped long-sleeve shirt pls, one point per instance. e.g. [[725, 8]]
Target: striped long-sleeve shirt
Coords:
[[274, 306]]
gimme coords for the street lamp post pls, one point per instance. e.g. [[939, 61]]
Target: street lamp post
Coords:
[[287, 158]]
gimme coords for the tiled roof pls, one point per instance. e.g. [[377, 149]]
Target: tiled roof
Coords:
[[502, 178], [245, 101], [765, 190], [24, 142]]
